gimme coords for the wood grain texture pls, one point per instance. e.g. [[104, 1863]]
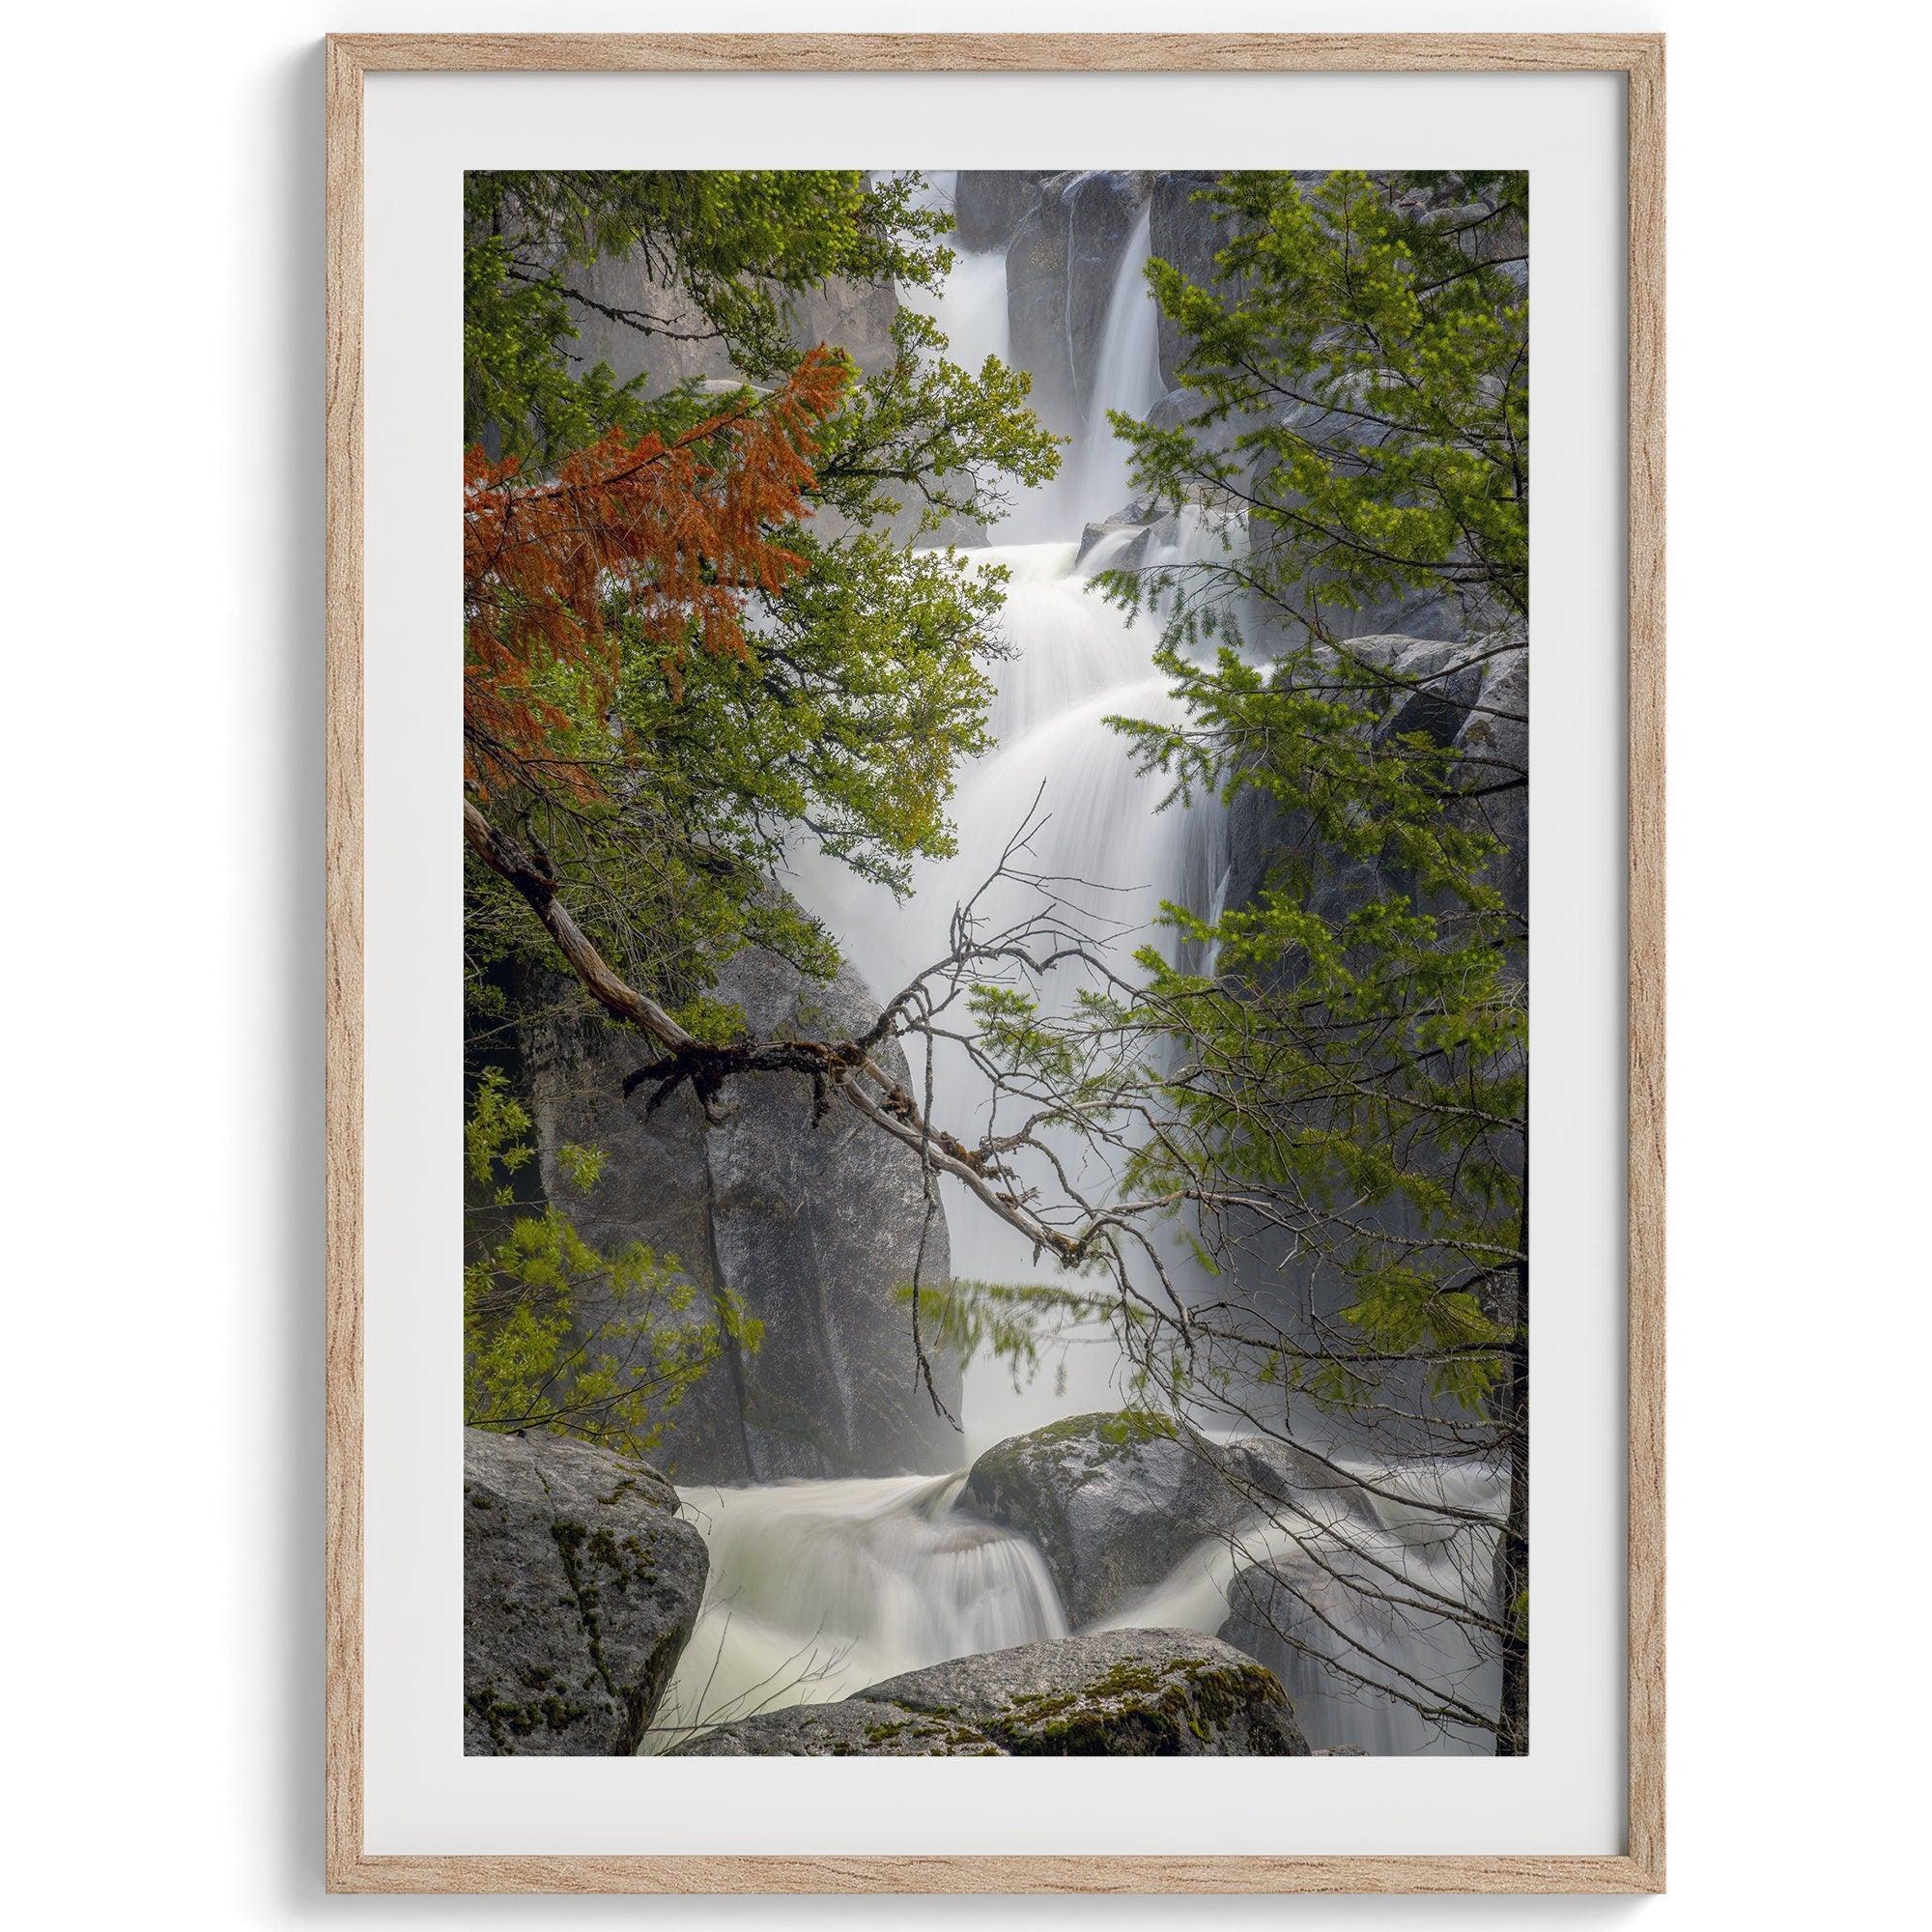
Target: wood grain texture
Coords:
[[1645, 913], [995, 1875], [1640, 57], [343, 969], [995, 53]]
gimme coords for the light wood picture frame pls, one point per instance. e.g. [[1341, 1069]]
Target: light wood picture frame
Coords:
[[1640, 59]]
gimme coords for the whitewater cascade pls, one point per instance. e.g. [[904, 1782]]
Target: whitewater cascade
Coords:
[[818, 1589], [1331, 1634]]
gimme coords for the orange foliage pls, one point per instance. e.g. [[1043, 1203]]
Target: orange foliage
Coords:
[[673, 533]]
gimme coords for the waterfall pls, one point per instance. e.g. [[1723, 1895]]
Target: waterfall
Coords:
[[971, 308], [1072, 660], [1128, 379], [1075, 662], [819, 1588]]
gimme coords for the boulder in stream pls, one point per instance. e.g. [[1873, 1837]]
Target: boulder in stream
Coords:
[[581, 1584], [1116, 1502], [1113, 1501], [1356, 1666], [860, 1726]]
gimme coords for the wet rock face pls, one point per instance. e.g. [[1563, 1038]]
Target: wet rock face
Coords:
[[581, 1584], [1180, 236], [816, 1228], [1122, 1693], [989, 202], [1037, 308], [1102, 209], [1062, 264], [1189, 234]]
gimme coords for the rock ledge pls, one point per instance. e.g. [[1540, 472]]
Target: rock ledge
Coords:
[[1119, 1693]]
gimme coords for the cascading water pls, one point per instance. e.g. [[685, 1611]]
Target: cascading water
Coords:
[[1128, 379], [1347, 1556], [818, 1589], [971, 308], [1073, 660]]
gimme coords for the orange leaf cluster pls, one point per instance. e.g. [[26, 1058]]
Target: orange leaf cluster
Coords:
[[673, 535]]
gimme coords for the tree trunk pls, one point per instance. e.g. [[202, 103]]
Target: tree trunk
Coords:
[[1513, 1552]]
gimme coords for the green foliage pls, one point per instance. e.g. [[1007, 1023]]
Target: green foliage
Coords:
[[1361, 1056], [722, 250], [558, 1335], [1364, 391], [1131, 1428], [1012, 1323], [927, 433], [867, 680]]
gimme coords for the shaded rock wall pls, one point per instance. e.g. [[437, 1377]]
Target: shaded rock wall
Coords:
[[816, 1228], [988, 204], [855, 315]]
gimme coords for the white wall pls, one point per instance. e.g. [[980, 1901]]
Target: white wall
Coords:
[[162, 785]]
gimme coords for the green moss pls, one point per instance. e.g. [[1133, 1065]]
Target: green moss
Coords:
[[1127, 1429], [942, 1740], [506, 1721], [1138, 1709], [623, 1564]]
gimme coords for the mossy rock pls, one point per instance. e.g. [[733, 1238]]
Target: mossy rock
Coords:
[[1122, 1693], [1115, 1694], [1113, 1501], [855, 1729], [581, 1585]]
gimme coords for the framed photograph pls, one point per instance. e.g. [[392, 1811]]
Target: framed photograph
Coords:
[[938, 820]]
